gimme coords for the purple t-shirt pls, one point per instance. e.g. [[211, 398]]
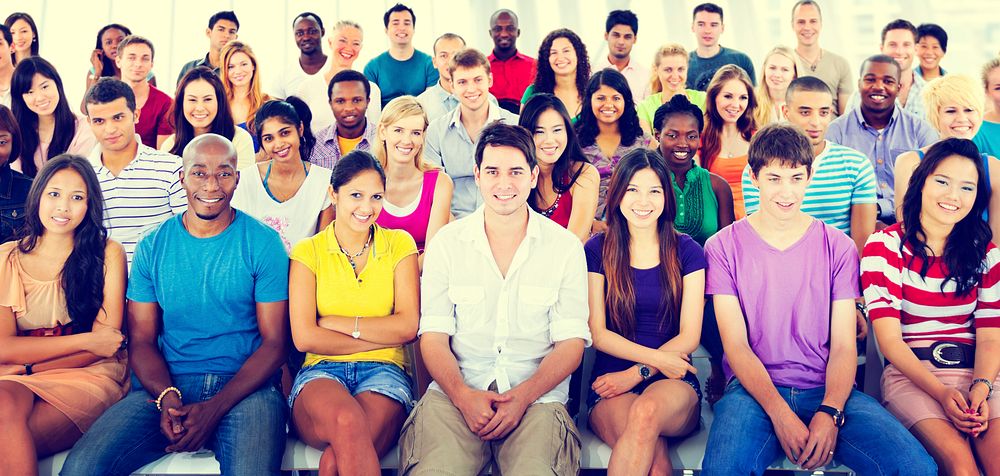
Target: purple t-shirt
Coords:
[[650, 328], [786, 296]]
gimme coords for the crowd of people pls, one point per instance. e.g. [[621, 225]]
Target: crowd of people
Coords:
[[237, 263]]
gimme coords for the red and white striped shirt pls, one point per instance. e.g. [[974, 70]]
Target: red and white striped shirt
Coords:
[[893, 288]]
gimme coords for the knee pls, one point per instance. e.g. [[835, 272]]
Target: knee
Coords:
[[327, 462], [642, 416], [12, 409], [341, 424]]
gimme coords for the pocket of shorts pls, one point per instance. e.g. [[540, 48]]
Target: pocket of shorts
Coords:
[[566, 445], [409, 439]]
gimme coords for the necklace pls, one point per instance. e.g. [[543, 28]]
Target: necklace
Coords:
[[547, 213], [351, 258]]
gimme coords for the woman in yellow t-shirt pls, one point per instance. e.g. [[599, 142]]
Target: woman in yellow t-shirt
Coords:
[[354, 303]]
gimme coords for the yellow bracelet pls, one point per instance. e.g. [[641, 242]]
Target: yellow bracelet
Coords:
[[164, 393]]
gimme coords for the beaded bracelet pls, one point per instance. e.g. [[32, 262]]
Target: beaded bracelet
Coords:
[[164, 393]]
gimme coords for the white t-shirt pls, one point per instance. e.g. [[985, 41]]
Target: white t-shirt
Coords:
[[294, 219], [242, 141], [312, 88]]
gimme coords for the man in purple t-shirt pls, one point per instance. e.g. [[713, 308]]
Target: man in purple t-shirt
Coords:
[[784, 285]]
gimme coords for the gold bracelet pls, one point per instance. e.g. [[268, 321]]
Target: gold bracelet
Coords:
[[164, 393]]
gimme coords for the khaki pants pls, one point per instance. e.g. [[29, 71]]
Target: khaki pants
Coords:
[[435, 440]]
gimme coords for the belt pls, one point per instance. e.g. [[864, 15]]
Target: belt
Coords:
[[948, 355]]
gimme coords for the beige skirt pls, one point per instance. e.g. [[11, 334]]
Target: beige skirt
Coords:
[[910, 404]]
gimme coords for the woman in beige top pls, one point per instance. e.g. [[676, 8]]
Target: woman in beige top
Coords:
[[62, 295]]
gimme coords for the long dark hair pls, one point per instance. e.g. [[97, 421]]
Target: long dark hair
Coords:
[[563, 177], [352, 165], [628, 124], [286, 113], [965, 247], [222, 124], [545, 79], [308, 141], [109, 67], [711, 137], [82, 275], [619, 291], [9, 124], [13, 17], [65, 128]]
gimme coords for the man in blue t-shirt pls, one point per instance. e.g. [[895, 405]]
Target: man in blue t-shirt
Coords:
[[403, 70], [207, 321], [705, 60]]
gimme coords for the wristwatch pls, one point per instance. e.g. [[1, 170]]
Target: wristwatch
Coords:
[[838, 416], [644, 371]]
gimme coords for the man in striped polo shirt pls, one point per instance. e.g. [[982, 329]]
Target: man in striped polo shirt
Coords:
[[841, 191], [141, 185]]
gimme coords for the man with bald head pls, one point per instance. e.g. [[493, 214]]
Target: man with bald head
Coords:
[[512, 71], [207, 318]]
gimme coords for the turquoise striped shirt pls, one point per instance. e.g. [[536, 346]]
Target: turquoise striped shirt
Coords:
[[844, 177]]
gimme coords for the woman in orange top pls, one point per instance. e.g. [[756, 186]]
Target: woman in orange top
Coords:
[[729, 124]]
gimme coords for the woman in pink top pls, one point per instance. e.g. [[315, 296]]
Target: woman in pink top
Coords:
[[62, 300], [417, 193], [48, 126]]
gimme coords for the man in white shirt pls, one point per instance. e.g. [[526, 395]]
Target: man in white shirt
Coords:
[[451, 139], [141, 185], [504, 319], [621, 31]]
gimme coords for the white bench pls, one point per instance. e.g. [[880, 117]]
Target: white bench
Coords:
[[686, 454]]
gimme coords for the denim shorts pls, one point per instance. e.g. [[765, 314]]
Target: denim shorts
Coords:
[[689, 378], [377, 377]]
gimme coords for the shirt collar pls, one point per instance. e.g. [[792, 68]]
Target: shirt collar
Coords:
[[96, 153], [492, 114], [860, 118], [6, 178], [477, 221], [380, 245], [329, 134]]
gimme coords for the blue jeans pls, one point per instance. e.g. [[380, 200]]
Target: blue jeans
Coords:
[[376, 377], [249, 440], [871, 442]]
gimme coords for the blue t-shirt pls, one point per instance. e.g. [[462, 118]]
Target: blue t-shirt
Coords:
[[208, 289], [398, 78], [650, 329], [701, 70]]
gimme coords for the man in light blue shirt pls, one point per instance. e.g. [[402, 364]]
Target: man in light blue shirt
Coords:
[[451, 139]]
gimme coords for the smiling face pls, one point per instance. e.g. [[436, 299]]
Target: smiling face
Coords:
[[113, 124], [346, 44], [620, 40], [813, 112], [732, 100], [993, 87], [210, 181], [930, 53], [348, 103], [135, 62], [958, 120], [782, 189], [22, 35], [644, 199], [680, 139], [43, 97], [472, 87], [240, 69], [807, 24], [307, 34], [550, 137], [200, 105], [221, 33], [672, 73], [562, 57], [779, 70], [444, 49], [504, 32], [949, 192], [280, 140], [900, 45], [63, 204], [404, 140], [707, 28], [504, 179], [109, 42], [400, 29], [359, 201], [607, 104], [879, 86]]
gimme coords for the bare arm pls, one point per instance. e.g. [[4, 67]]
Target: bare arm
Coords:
[[724, 196], [843, 359], [440, 209], [436, 347], [584, 193], [325, 218], [906, 163], [554, 368], [994, 206], [863, 217]]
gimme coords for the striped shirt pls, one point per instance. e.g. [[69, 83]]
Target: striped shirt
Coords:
[[144, 194], [841, 177], [894, 289]]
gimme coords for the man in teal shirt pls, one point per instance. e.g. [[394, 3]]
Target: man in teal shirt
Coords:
[[403, 70]]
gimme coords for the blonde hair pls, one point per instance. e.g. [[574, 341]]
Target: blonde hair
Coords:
[[669, 49], [987, 69], [765, 103], [397, 110], [257, 98], [953, 88]]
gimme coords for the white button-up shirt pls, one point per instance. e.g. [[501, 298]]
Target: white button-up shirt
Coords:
[[502, 328], [638, 76]]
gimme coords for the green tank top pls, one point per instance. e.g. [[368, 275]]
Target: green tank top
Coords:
[[697, 207]]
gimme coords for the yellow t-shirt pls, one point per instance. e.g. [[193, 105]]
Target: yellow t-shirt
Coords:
[[340, 293], [347, 145]]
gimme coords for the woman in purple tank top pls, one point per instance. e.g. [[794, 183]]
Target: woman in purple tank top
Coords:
[[417, 192]]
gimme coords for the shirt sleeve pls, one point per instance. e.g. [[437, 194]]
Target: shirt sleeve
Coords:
[[568, 318], [751, 196], [432, 146], [304, 252], [402, 245], [371, 70], [928, 135], [748, 66], [720, 278], [835, 132], [882, 277], [437, 311], [690, 255], [163, 127], [431, 74], [864, 190], [140, 279], [594, 251], [271, 274], [845, 265], [845, 83], [176, 193], [987, 314]]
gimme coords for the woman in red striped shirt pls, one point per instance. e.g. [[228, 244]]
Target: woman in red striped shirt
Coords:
[[933, 294]]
